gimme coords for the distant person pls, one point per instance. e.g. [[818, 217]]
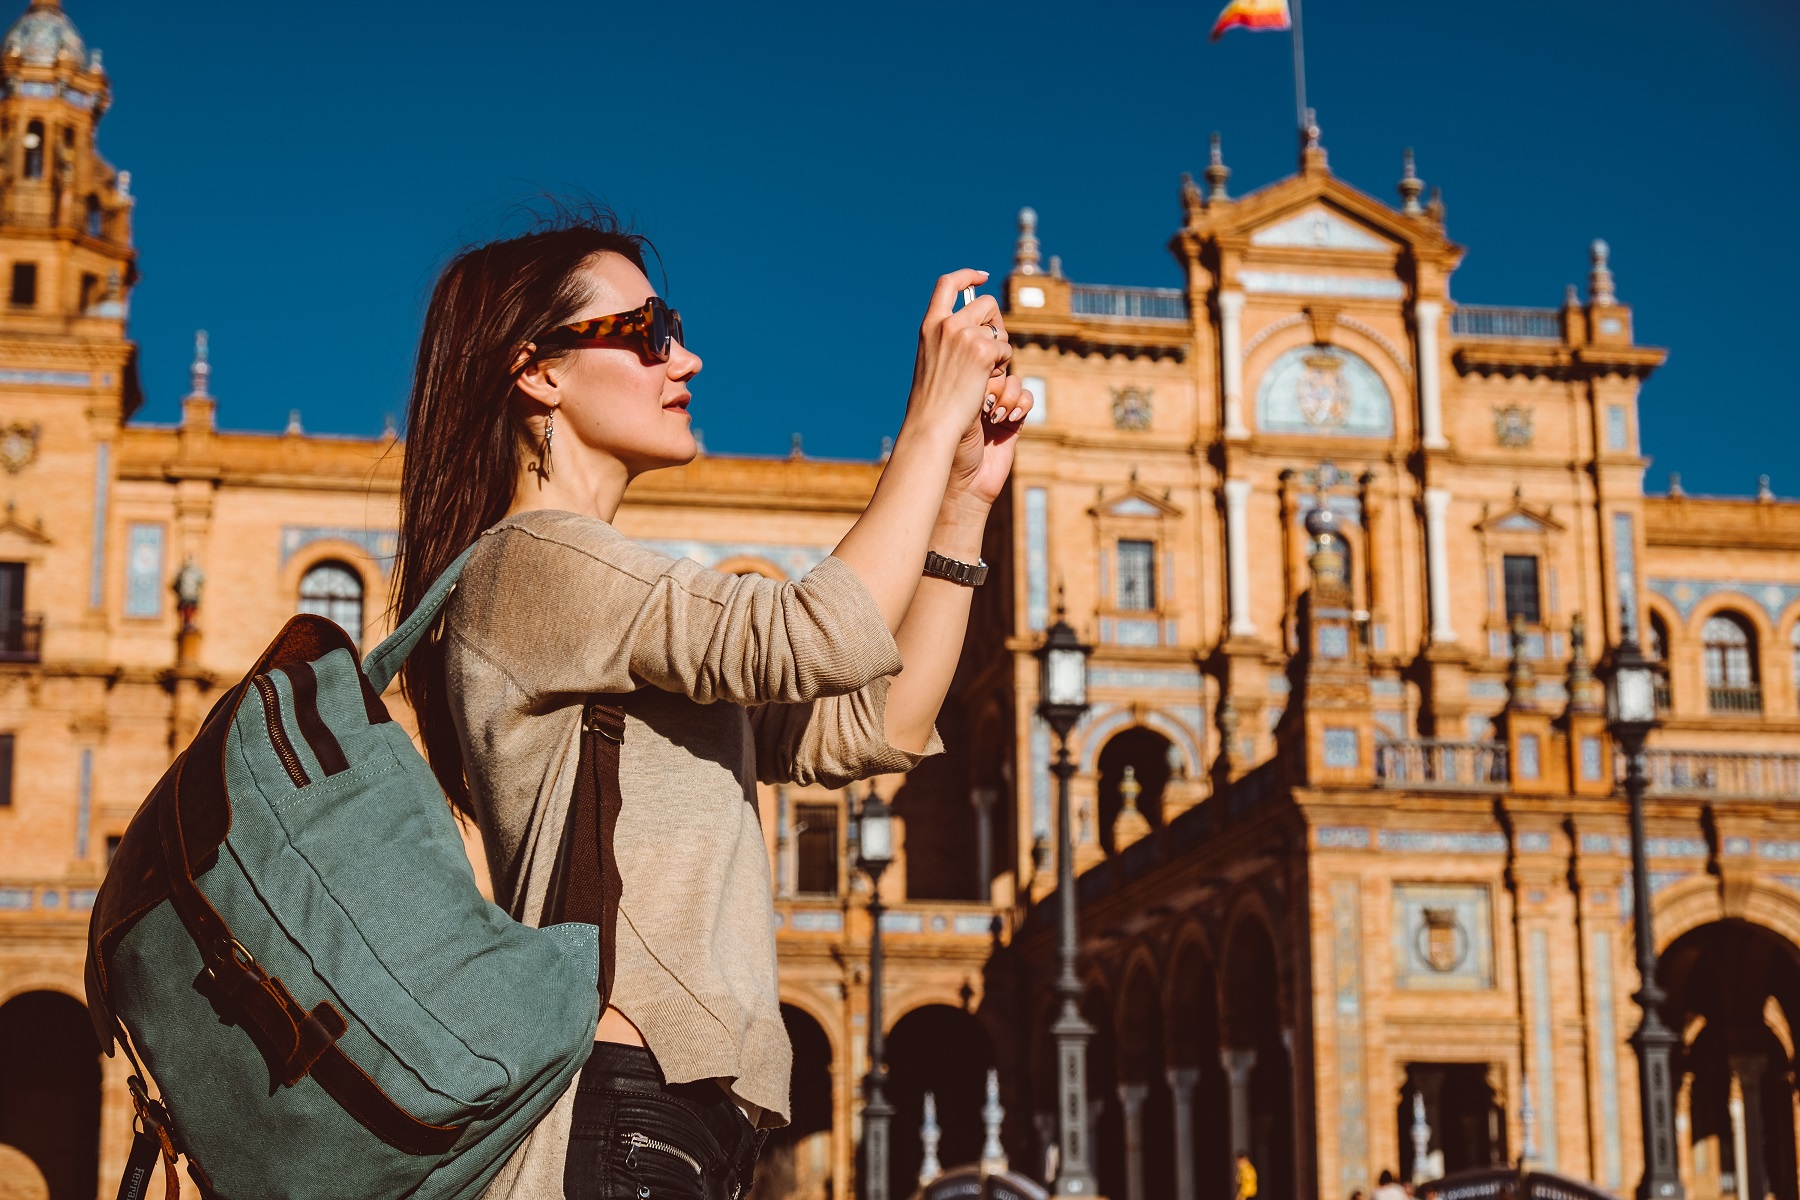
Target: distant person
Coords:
[[1388, 1188], [550, 375], [1357, 1194], [1246, 1179]]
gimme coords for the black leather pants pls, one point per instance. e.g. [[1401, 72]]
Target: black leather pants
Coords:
[[636, 1137]]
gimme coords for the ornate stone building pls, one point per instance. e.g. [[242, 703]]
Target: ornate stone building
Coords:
[[1349, 840]]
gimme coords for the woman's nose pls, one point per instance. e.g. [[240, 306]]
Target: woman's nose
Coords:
[[683, 363]]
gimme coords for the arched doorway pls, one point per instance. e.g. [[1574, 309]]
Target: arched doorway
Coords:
[[50, 1090], [796, 1160], [1733, 991], [1193, 1041], [945, 1051], [1145, 753], [1257, 1059]]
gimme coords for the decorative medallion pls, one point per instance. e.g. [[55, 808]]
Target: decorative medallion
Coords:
[[19, 446], [1131, 408], [1323, 395], [1442, 943], [1512, 426]]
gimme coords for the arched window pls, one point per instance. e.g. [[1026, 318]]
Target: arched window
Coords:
[[34, 150], [1657, 650], [1730, 660], [96, 217], [334, 591]]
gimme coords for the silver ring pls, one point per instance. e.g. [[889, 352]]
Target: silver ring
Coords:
[[995, 330]]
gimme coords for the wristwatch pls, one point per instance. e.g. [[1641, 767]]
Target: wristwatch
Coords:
[[969, 575]]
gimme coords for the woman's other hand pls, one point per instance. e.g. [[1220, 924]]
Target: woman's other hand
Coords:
[[984, 456], [960, 352]]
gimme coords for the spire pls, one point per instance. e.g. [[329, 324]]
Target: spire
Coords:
[[1025, 251], [1600, 276], [1216, 172], [1521, 680], [1585, 692], [993, 1150], [201, 370], [1411, 186]]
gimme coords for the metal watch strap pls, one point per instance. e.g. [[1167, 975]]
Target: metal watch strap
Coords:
[[968, 574]]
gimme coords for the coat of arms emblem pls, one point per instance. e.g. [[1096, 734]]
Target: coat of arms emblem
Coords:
[[1323, 394], [1131, 408], [1512, 426], [18, 446], [1442, 942]]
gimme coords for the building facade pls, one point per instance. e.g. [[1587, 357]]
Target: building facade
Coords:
[[1352, 857]]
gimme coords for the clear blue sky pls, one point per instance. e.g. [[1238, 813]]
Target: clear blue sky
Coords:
[[807, 169]]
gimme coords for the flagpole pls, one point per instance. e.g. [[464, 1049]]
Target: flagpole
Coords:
[[1299, 71]]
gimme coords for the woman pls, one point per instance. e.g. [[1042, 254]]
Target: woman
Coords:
[[549, 377]]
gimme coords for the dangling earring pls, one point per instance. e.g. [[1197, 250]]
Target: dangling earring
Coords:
[[549, 432]]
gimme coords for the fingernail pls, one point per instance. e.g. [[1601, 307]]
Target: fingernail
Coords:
[[1001, 419]]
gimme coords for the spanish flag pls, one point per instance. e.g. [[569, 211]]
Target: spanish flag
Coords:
[[1253, 14]]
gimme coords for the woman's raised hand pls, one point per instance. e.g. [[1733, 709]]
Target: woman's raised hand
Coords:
[[959, 353]]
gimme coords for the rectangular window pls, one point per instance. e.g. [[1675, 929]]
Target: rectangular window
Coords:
[[12, 610], [1521, 572], [24, 285], [816, 833], [144, 570], [90, 290], [1616, 436], [1137, 576], [6, 770]]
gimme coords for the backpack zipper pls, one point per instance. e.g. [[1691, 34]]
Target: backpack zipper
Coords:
[[640, 1142], [284, 749]]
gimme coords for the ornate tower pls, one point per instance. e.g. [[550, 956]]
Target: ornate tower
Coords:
[[68, 376]]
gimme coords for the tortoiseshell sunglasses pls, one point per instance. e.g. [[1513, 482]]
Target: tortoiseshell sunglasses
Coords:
[[651, 330]]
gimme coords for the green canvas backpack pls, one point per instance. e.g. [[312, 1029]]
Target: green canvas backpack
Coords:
[[291, 940]]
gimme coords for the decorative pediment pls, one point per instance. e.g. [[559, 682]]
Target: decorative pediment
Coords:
[[1520, 518], [1317, 227], [12, 526], [1135, 504]]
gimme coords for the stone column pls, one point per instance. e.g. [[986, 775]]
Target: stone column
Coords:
[[1238, 1064], [1131, 1103], [1437, 565], [1426, 314], [1753, 1173], [1182, 1081], [1237, 550], [1231, 362]]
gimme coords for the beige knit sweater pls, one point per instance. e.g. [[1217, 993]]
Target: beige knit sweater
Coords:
[[732, 679]]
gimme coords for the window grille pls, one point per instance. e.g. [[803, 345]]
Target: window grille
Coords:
[[24, 285], [1522, 594], [334, 591], [816, 833], [1137, 576]]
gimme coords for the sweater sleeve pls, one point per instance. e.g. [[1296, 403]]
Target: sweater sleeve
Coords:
[[831, 741], [566, 605]]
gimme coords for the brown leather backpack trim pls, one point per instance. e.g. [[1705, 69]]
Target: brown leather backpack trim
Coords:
[[586, 884], [318, 735]]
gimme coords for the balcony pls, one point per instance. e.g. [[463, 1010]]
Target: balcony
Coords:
[[1721, 773], [1507, 324], [1128, 303], [21, 637], [1734, 699], [1431, 764]]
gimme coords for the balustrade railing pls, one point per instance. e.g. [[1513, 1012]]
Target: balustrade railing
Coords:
[[21, 636], [1432, 763], [1734, 699], [1128, 303], [1494, 321], [1751, 773]]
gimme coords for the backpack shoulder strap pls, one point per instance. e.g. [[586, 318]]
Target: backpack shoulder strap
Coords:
[[383, 662], [586, 884]]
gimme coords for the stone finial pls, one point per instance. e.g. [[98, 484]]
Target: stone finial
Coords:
[[993, 1150], [124, 185], [1421, 1137], [929, 1136], [1764, 492], [1571, 296], [390, 429], [200, 370], [1521, 679], [1056, 266], [887, 447], [1312, 129], [293, 426], [1411, 186], [1675, 488], [1130, 826], [1025, 251], [1434, 208], [1585, 692], [795, 446], [1217, 173], [1192, 202], [1600, 276]]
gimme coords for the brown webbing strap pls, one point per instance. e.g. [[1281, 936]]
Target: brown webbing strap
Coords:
[[295, 1042], [587, 883]]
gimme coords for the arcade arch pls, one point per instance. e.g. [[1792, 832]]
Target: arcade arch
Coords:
[[945, 1051], [50, 1090]]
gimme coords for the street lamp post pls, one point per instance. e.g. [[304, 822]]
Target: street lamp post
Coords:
[[1062, 685], [1631, 714], [875, 850]]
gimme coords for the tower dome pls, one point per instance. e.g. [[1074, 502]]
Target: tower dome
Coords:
[[43, 35]]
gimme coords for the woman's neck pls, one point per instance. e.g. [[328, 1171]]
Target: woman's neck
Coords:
[[591, 485]]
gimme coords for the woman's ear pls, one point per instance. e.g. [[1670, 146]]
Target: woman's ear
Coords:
[[541, 379]]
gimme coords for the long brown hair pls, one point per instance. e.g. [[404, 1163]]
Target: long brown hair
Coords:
[[464, 434]]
